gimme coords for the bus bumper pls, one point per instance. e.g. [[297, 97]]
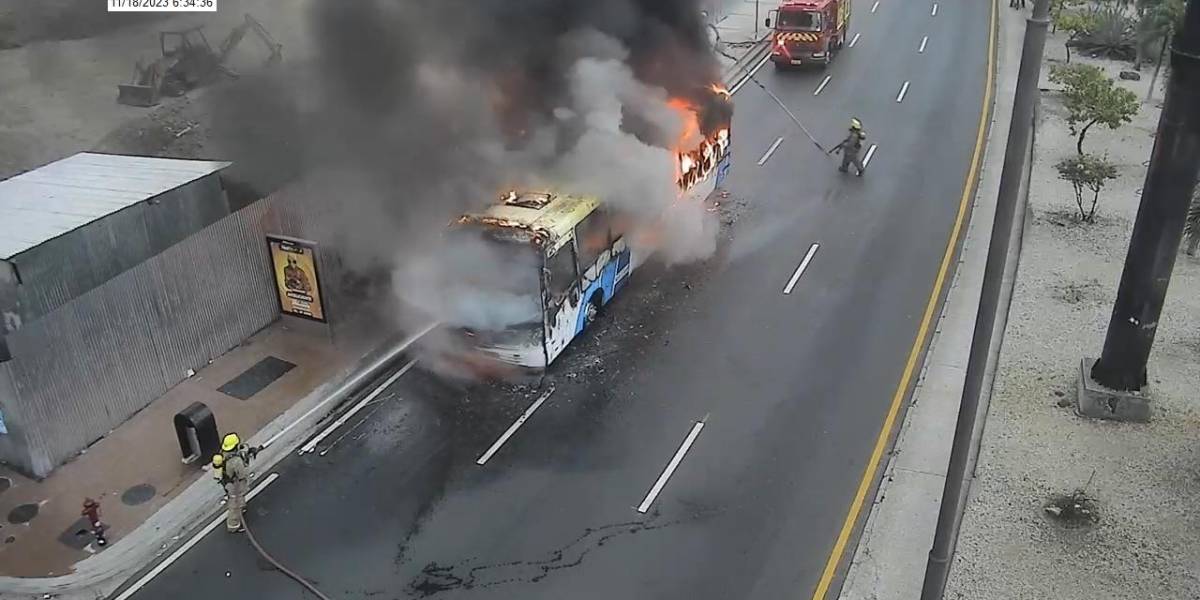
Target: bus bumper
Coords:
[[464, 356]]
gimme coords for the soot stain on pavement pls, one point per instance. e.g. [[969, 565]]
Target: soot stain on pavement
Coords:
[[435, 579]]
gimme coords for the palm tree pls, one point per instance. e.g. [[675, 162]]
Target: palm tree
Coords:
[[1158, 21], [1191, 228]]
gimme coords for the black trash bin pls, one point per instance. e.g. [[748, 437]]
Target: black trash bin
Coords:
[[196, 428]]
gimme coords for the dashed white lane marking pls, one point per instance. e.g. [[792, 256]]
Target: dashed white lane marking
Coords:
[[513, 428], [674, 464], [812, 251], [934, 13], [876, 6], [312, 444], [824, 83], [855, 40], [767, 155], [748, 77], [903, 92], [870, 153], [174, 556], [924, 40]]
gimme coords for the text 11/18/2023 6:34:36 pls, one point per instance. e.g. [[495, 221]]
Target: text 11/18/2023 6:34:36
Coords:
[[162, 5]]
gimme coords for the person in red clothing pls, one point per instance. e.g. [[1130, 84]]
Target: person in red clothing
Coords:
[[91, 510]]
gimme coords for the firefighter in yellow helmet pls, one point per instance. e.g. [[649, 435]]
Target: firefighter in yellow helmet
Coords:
[[235, 476], [851, 147]]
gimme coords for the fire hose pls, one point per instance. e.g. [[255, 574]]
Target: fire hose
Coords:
[[278, 565], [793, 117], [790, 115]]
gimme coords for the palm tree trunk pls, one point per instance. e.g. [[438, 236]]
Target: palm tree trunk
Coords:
[[1162, 53]]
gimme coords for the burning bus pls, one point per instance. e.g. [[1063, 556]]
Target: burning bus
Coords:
[[548, 262]]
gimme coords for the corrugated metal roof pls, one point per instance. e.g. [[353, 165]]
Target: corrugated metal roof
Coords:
[[47, 202]]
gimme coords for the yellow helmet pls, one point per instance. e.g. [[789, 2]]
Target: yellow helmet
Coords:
[[855, 124], [218, 460], [230, 443]]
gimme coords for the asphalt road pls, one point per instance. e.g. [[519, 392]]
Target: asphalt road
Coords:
[[792, 389]]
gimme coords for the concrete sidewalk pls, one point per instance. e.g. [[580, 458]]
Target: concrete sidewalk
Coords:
[[737, 35], [889, 562], [137, 468]]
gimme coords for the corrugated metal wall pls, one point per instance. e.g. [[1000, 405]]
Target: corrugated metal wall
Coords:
[[98, 359], [70, 265], [12, 443], [212, 292]]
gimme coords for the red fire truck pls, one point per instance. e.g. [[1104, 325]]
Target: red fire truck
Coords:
[[808, 32]]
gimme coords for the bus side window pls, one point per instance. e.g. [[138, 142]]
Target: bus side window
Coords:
[[592, 236], [560, 272]]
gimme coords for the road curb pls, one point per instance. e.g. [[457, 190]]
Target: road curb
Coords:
[[102, 575], [744, 65]]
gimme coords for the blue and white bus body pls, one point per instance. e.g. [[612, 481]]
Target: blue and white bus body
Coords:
[[552, 223]]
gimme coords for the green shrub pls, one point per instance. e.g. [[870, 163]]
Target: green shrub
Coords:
[[1086, 172]]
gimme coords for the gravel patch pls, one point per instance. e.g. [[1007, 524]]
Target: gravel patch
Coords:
[[1136, 484]]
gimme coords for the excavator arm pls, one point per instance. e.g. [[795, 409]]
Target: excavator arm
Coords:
[[235, 37], [189, 61]]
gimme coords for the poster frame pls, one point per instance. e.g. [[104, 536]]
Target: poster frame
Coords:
[[312, 246]]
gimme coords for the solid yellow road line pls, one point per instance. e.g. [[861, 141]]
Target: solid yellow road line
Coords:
[[885, 433]]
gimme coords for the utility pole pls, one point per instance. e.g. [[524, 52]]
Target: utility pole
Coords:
[[1016, 152], [1158, 230]]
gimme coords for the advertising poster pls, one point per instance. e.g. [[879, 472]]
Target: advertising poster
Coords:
[[295, 267]]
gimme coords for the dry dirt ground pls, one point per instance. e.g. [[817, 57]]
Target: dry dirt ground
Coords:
[[1066, 507], [61, 61]]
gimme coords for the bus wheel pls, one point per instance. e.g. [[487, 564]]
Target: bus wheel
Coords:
[[591, 311]]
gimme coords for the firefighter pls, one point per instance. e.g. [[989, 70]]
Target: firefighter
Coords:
[[851, 147], [235, 476]]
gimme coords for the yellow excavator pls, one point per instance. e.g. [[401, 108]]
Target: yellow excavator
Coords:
[[188, 61]]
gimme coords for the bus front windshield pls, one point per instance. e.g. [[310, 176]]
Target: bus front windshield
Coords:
[[799, 20], [490, 281]]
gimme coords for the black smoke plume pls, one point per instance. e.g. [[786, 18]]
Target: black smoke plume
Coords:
[[425, 108]]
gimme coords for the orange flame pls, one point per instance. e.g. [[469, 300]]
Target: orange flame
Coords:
[[696, 158], [690, 135]]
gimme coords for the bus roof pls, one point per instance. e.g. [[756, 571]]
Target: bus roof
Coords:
[[549, 218]]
